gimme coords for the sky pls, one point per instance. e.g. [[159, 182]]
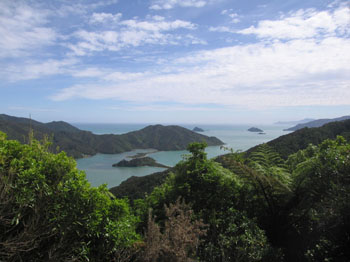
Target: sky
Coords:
[[174, 61]]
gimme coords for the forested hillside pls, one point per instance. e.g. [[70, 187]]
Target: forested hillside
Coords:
[[257, 207], [284, 145], [79, 143], [300, 139]]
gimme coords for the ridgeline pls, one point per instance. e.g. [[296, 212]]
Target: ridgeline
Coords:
[[78, 143], [317, 123]]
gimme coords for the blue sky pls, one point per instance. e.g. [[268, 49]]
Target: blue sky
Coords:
[[175, 61]]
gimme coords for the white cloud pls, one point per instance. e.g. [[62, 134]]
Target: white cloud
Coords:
[[132, 33], [120, 76], [80, 7], [297, 72], [89, 72], [221, 29], [158, 25], [36, 69], [169, 4], [105, 18], [304, 24], [234, 16], [163, 108], [23, 29]]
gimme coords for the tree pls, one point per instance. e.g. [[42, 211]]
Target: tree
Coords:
[[49, 212], [213, 193]]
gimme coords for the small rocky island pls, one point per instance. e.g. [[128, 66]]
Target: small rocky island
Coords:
[[197, 129], [141, 161], [255, 129]]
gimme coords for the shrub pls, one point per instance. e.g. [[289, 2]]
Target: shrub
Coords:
[[49, 212]]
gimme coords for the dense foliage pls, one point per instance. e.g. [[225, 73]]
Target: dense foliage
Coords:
[[264, 208], [302, 204], [136, 187], [49, 212], [259, 206]]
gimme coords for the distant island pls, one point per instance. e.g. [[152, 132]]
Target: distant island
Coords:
[[78, 143], [255, 129], [197, 129], [317, 123], [137, 162]]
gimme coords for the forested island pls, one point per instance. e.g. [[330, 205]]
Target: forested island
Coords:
[[255, 129], [286, 200], [197, 129], [140, 161]]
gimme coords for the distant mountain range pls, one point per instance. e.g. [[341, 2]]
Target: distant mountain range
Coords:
[[316, 123], [294, 122], [79, 143]]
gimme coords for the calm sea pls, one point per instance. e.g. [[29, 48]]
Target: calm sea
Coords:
[[99, 168]]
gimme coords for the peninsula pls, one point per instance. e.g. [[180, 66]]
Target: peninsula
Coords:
[[79, 143], [317, 123]]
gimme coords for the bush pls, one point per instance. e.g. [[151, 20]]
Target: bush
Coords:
[[49, 212]]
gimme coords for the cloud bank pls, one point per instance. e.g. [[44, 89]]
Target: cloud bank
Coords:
[[304, 61]]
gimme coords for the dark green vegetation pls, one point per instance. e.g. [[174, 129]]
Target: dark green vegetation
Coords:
[[317, 123], [284, 145], [256, 206], [264, 208], [300, 139], [49, 212], [140, 161], [197, 129], [78, 143], [255, 129], [137, 187]]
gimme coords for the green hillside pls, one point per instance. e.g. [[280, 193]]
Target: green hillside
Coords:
[[284, 145], [79, 143], [300, 139], [251, 209]]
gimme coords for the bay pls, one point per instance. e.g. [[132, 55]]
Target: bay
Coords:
[[99, 168]]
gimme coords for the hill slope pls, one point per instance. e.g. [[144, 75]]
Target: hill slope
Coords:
[[78, 143], [300, 139], [136, 187], [317, 123]]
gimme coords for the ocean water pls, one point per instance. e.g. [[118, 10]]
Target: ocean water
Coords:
[[99, 168]]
